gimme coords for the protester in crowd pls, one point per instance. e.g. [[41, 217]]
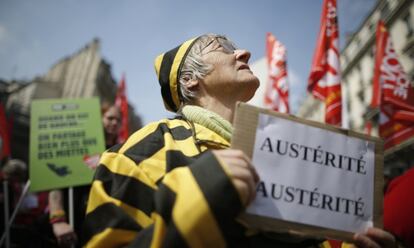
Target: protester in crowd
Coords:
[[399, 207], [175, 182], [111, 121], [65, 234], [15, 173], [29, 227]]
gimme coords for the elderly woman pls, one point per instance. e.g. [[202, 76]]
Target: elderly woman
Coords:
[[176, 183]]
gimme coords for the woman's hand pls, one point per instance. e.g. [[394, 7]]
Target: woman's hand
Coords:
[[64, 234], [242, 172], [375, 238]]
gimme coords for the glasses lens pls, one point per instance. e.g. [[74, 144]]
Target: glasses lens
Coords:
[[227, 45]]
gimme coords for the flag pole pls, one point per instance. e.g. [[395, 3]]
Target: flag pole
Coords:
[[6, 214], [345, 114], [9, 222], [71, 218]]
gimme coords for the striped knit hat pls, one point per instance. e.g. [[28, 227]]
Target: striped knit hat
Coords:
[[168, 67]]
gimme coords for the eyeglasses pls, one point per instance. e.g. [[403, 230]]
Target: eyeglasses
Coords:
[[227, 45]]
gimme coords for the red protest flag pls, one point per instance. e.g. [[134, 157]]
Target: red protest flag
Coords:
[[4, 134], [392, 92], [122, 103], [368, 127], [324, 79], [332, 243], [277, 90]]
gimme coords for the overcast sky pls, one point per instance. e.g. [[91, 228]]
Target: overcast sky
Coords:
[[34, 35]]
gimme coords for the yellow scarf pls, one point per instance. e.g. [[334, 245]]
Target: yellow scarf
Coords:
[[209, 120]]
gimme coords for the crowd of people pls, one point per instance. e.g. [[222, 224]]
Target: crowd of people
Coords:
[[177, 183], [42, 219]]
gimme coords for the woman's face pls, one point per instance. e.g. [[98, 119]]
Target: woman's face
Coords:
[[231, 74], [112, 121]]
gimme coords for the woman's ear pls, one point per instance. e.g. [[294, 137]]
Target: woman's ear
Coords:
[[192, 84]]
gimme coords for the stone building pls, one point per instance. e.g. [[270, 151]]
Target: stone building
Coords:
[[81, 75]]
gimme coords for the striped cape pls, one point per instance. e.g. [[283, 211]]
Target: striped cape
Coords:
[[163, 188]]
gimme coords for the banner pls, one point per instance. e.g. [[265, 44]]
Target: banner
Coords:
[[325, 79], [277, 90], [392, 92], [64, 134]]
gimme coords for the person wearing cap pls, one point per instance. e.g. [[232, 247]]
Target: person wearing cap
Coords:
[[175, 182]]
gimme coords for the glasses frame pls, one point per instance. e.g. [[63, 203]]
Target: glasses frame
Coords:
[[228, 46]]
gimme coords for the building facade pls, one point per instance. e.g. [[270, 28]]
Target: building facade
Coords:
[[82, 75]]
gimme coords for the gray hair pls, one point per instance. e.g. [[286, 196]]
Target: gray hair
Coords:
[[194, 68]]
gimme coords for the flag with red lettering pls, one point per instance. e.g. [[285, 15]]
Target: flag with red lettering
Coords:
[[4, 133], [325, 79], [392, 92], [122, 103], [277, 90]]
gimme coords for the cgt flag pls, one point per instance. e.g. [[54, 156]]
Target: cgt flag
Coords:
[[392, 92], [277, 89], [122, 103], [324, 79]]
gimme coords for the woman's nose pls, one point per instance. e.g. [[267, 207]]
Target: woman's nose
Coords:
[[243, 55]]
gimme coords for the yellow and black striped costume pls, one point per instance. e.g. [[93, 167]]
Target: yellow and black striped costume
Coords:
[[163, 188]]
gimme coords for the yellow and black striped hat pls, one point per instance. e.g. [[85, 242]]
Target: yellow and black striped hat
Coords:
[[168, 67]]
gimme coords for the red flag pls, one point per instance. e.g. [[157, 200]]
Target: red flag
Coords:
[[4, 134], [277, 90], [334, 243], [122, 103], [324, 79], [368, 127], [392, 92]]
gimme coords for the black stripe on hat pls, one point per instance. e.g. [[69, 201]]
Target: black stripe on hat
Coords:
[[164, 77]]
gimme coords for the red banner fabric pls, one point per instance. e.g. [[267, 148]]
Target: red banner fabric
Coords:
[[392, 92], [324, 79], [4, 134], [277, 89]]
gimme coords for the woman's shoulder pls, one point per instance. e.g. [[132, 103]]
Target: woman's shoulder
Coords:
[[163, 125], [156, 130]]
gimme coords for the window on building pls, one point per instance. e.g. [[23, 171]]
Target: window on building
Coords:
[[348, 105], [361, 94], [385, 10], [410, 53], [357, 41], [409, 23], [372, 52], [371, 26]]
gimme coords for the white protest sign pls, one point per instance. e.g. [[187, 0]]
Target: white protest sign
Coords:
[[315, 179], [312, 176]]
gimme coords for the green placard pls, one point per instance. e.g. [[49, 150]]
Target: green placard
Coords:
[[64, 134]]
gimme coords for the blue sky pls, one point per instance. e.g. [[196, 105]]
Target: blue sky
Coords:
[[36, 34]]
